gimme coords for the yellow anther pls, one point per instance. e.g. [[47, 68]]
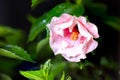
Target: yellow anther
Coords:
[[74, 36]]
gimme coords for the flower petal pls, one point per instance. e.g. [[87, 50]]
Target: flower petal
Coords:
[[90, 27], [92, 44], [74, 59]]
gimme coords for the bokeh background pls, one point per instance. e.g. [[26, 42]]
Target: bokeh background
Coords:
[[14, 13]]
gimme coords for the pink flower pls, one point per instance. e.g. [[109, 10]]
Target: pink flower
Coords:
[[72, 37]]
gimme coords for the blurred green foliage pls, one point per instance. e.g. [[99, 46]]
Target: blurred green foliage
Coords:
[[16, 49]]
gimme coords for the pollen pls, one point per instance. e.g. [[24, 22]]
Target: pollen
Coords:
[[74, 36]]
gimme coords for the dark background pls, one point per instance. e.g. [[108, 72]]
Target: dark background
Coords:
[[13, 13]]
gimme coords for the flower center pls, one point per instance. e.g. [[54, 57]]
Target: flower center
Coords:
[[74, 34]]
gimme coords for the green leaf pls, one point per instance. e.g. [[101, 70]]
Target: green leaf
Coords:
[[41, 44], [113, 22], [51, 76], [8, 65], [35, 75], [41, 22], [38, 26], [15, 52], [65, 8], [42, 74], [31, 18], [11, 36], [46, 68], [58, 68], [69, 78], [36, 2], [17, 38], [5, 30], [63, 76], [78, 2], [4, 77], [47, 65]]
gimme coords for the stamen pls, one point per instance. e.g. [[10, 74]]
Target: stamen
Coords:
[[74, 34]]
